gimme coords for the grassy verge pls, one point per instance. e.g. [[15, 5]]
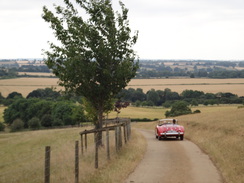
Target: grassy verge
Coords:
[[22, 155], [218, 131], [220, 134], [122, 164]]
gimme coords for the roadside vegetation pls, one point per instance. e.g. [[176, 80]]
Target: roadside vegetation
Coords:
[[218, 131], [22, 154]]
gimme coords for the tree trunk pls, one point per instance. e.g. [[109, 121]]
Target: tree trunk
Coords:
[[99, 125]]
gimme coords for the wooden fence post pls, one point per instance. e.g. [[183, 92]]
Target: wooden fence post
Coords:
[[120, 138], [125, 137], [81, 143], [86, 141], [76, 161], [96, 149], [107, 138], [128, 130], [47, 164], [116, 138]]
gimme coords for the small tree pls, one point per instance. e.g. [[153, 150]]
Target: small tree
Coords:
[[2, 126], [178, 108], [95, 59], [34, 123], [46, 120], [17, 125]]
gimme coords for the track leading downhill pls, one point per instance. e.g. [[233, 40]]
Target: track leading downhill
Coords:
[[173, 161]]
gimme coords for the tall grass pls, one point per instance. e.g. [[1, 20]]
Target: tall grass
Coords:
[[22, 157], [218, 131], [220, 134]]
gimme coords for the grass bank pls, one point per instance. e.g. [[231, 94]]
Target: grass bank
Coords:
[[22, 155], [220, 134], [218, 131]]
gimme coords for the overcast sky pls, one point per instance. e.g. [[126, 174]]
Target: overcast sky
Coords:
[[168, 29]]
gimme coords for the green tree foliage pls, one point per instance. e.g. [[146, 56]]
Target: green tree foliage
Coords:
[[17, 125], [95, 59], [34, 123], [8, 73], [63, 111], [192, 94], [46, 120], [167, 97], [14, 95], [178, 108], [47, 93], [153, 96], [49, 113], [2, 126], [2, 99]]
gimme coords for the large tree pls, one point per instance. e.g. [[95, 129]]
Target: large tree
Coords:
[[94, 56]]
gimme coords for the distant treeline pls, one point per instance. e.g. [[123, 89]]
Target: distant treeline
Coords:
[[167, 97], [192, 69], [7, 73], [50, 108], [155, 69]]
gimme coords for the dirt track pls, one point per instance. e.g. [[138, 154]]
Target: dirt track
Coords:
[[173, 161]]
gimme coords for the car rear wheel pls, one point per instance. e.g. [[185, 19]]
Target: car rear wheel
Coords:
[[182, 137]]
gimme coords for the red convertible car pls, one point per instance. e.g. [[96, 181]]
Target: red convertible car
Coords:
[[169, 128]]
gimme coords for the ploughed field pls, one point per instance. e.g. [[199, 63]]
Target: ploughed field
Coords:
[[235, 86]]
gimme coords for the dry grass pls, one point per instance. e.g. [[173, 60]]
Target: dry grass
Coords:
[[180, 84], [36, 73], [218, 131], [26, 85], [22, 155], [220, 134]]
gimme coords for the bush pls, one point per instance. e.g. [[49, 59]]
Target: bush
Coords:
[[17, 125], [58, 122], [2, 126], [143, 119], [178, 108], [34, 123], [197, 111], [46, 120]]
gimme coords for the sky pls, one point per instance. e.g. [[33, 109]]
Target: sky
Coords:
[[168, 29]]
